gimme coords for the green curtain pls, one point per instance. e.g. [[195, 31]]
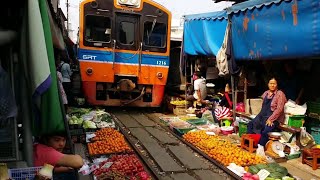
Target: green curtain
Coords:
[[51, 116]]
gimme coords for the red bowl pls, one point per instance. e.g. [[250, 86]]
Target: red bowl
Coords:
[[226, 132]]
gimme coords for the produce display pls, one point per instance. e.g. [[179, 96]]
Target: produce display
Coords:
[[180, 125], [111, 157], [121, 167], [179, 103], [90, 119], [276, 171], [75, 120], [108, 141], [221, 150], [107, 133]]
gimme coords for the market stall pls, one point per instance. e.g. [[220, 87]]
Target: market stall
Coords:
[[216, 139], [222, 148], [108, 154]]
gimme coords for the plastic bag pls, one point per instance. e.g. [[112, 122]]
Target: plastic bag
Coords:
[[260, 151], [305, 137], [208, 115], [240, 107]]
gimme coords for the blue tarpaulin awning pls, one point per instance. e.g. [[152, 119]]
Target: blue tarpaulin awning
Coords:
[[275, 29], [204, 33]]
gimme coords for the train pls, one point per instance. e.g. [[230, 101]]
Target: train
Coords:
[[124, 52]]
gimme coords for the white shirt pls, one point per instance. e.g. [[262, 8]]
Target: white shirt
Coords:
[[200, 84], [66, 72]]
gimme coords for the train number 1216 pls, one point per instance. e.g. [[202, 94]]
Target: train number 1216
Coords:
[[163, 63]]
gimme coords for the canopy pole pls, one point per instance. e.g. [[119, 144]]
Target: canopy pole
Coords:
[[234, 103], [26, 122]]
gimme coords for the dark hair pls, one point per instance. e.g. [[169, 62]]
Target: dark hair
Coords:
[[197, 73], [44, 139], [273, 77]]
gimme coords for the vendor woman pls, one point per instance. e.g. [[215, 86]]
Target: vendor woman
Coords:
[[271, 114]]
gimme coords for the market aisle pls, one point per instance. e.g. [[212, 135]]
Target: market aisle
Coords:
[[166, 154], [296, 168]]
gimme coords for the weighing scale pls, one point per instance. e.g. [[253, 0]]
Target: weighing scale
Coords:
[[274, 148]]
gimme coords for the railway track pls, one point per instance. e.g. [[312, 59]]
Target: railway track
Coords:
[[165, 154]]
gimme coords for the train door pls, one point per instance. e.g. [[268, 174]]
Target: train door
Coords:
[[127, 44]]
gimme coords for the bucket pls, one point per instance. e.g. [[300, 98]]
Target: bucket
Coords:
[[315, 133]]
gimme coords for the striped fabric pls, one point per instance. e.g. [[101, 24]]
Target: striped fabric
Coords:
[[222, 112]]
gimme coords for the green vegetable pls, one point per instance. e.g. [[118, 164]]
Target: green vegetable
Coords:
[[273, 165], [261, 166], [269, 178], [282, 170], [253, 170], [270, 169], [276, 175]]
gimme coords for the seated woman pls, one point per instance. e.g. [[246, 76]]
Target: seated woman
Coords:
[[271, 114], [49, 151]]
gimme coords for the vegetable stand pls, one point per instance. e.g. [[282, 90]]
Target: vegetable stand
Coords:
[[108, 154]]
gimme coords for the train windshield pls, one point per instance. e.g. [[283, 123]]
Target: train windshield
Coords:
[[155, 34], [97, 29], [126, 33]]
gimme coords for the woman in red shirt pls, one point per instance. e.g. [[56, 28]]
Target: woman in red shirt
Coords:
[[49, 151]]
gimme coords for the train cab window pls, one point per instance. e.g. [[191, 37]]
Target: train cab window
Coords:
[[126, 33], [155, 34], [97, 30]]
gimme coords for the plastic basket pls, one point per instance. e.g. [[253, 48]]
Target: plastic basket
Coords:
[[179, 110], [315, 132], [296, 121], [181, 132], [293, 156], [8, 141], [198, 121], [313, 107], [23, 173]]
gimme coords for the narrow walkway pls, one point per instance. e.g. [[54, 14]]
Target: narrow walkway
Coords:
[[167, 155]]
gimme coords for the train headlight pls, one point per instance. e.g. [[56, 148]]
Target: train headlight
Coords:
[[134, 3], [122, 1], [159, 75], [89, 71]]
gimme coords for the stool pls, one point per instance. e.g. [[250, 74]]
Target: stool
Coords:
[[248, 143], [311, 157]]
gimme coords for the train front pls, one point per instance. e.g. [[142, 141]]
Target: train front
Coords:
[[123, 52]]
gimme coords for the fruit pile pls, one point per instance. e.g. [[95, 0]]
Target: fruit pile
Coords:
[[122, 167], [107, 133], [107, 141], [222, 150]]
